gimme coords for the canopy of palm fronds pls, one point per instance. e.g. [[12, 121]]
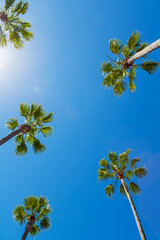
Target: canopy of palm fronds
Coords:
[[35, 120], [12, 28], [34, 208], [117, 71], [119, 167]]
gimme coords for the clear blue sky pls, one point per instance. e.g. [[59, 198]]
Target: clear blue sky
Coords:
[[60, 69]]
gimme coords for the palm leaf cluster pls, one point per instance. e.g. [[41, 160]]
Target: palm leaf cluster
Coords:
[[36, 118], [38, 208], [12, 28], [117, 71], [120, 167]]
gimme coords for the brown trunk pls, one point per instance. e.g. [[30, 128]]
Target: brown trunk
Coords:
[[22, 129], [3, 17], [139, 225], [28, 227]]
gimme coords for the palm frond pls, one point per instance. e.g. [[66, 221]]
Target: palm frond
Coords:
[[21, 149], [38, 147], [106, 67], [17, 7], [132, 76], [12, 123], [3, 38], [140, 172], [119, 88], [115, 46], [38, 112], [134, 41], [8, 4], [103, 162], [45, 223], [129, 174], [125, 51], [24, 109], [134, 162], [109, 190], [104, 174], [143, 46], [34, 230], [122, 191], [150, 66], [19, 214], [134, 188], [42, 201], [123, 157], [26, 25], [26, 34], [19, 138], [31, 203], [23, 8], [46, 131], [109, 80], [14, 37], [47, 118]]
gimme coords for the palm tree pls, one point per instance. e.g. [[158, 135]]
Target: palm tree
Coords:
[[117, 71], [117, 168], [34, 213], [35, 119], [12, 28]]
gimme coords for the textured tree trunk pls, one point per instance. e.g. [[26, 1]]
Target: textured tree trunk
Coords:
[[143, 52], [28, 227], [25, 234], [22, 129], [141, 232], [11, 135]]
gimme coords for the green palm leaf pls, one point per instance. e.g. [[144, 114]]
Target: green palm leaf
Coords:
[[140, 172], [8, 4], [134, 40], [19, 214], [47, 118], [38, 147], [34, 230], [103, 162], [150, 66], [12, 123], [122, 191], [46, 131], [24, 109], [115, 46], [109, 190], [21, 149], [134, 188], [19, 138]]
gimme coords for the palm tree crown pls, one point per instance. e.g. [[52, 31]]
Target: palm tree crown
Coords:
[[35, 119], [117, 71], [12, 28], [119, 167], [35, 212]]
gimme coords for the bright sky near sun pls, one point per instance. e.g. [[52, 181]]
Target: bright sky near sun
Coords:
[[60, 69]]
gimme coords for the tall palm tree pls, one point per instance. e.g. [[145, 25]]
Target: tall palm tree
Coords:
[[12, 28], [119, 168], [116, 71], [35, 119], [34, 213]]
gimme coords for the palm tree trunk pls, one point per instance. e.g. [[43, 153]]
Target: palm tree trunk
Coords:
[[24, 128], [143, 52], [11, 135], [28, 227], [25, 234], [143, 237]]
